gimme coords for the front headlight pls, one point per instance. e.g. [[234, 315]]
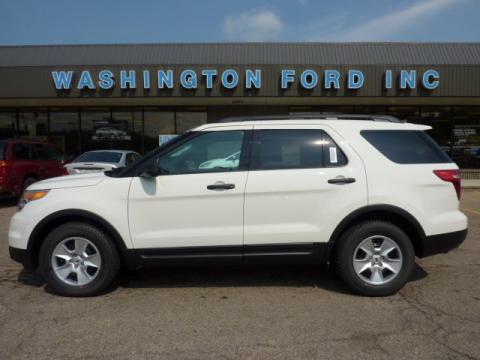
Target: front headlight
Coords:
[[31, 195]]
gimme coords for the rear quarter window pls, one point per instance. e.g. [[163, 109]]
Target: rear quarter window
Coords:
[[22, 151], [406, 146], [3, 150]]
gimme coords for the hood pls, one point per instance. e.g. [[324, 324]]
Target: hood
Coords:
[[69, 181]]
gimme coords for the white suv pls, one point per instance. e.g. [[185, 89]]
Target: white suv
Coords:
[[365, 194]]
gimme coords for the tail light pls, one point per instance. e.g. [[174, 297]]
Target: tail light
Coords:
[[5, 167], [452, 176], [65, 170]]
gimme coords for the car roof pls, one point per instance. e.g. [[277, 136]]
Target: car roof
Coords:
[[27, 141], [341, 125], [112, 151]]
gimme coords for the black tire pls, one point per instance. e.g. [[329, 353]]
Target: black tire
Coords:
[[344, 255], [110, 260]]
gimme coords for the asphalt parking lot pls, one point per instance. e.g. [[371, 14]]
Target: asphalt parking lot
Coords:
[[257, 313]]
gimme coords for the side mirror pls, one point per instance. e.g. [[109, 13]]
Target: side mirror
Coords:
[[149, 172]]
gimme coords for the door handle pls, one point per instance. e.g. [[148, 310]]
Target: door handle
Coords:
[[340, 180], [221, 186]]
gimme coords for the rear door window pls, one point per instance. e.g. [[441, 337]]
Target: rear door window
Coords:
[[294, 149], [406, 146], [48, 152], [3, 150], [22, 151]]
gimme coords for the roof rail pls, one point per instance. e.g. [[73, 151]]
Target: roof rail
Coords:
[[315, 116]]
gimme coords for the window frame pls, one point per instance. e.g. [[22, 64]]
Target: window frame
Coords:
[[323, 152], [31, 151], [242, 166]]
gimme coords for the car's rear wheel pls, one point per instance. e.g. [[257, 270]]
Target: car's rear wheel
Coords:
[[77, 259], [375, 258]]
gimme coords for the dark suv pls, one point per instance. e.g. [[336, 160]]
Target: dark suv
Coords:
[[23, 162]]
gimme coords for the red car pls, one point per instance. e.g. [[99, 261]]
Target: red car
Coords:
[[23, 162]]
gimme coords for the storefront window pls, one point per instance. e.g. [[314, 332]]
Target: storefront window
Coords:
[[64, 130], [187, 120], [466, 137], [409, 113], [371, 110], [129, 120], [158, 122], [33, 123], [8, 120], [95, 126], [439, 118], [337, 109]]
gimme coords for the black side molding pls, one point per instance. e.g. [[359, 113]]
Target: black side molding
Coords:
[[442, 243], [261, 254], [189, 256]]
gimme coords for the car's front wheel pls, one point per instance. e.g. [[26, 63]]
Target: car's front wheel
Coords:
[[375, 258], [78, 259]]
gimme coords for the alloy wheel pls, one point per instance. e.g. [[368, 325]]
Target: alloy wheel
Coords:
[[377, 260], [76, 261]]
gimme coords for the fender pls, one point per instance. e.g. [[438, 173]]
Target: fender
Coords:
[[384, 209], [62, 216]]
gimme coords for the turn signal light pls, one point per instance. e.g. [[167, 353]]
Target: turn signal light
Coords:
[[452, 176], [29, 196]]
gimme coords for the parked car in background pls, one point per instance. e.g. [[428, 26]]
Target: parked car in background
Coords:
[[109, 132], [101, 160], [23, 162], [226, 163]]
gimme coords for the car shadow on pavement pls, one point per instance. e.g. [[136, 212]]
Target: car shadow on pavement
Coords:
[[241, 276], [30, 279], [252, 276]]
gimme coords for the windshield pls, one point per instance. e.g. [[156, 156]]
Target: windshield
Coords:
[[100, 156], [3, 150]]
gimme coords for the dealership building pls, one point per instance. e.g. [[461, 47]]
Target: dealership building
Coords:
[[86, 97]]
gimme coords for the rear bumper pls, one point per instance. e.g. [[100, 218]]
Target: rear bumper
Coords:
[[22, 256], [442, 243]]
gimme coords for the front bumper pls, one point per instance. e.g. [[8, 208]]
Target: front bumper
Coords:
[[22, 256], [442, 243]]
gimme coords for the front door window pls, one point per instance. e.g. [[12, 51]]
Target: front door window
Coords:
[[217, 151]]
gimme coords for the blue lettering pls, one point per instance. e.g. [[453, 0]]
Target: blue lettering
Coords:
[[165, 79], [253, 79], [106, 79], [309, 79], [188, 79], [209, 74], [430, 79], [356, 79], [229, 79], [408, 79], [62, 79], [332, 77], [128, 81], [388, 79], [287, 78], [85, 81], [146, 79]]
